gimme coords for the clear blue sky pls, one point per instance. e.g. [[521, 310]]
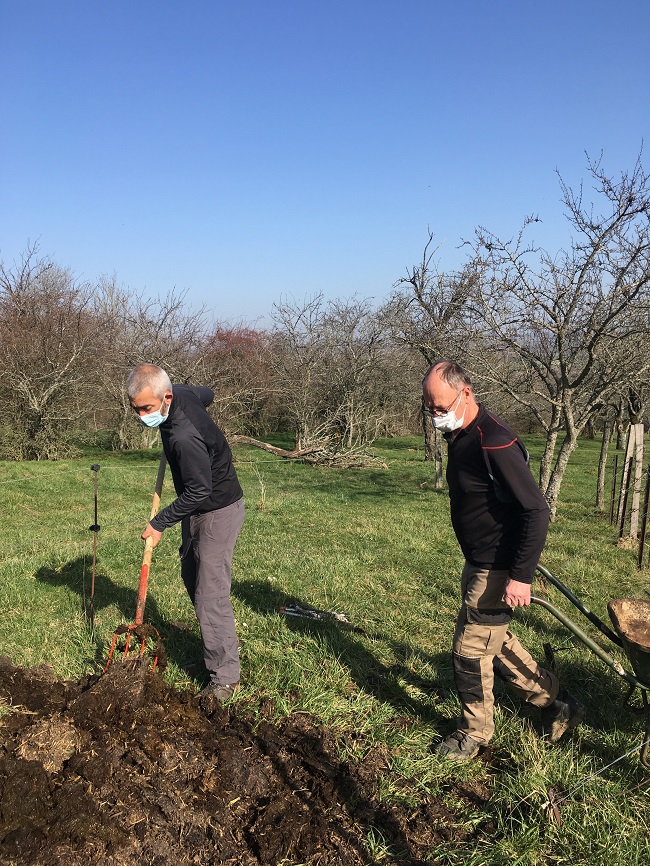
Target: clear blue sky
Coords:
[[253, 149]]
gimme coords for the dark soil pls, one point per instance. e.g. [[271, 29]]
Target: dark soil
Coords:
[[123, 769]]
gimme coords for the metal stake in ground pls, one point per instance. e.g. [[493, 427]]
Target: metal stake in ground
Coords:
[[94, 529]]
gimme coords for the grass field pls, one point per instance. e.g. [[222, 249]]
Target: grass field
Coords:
[[377, 545]]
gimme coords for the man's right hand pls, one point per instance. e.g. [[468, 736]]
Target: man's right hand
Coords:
[[153, 534], [516, 593]]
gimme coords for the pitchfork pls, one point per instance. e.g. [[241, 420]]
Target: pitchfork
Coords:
[[139, 630]]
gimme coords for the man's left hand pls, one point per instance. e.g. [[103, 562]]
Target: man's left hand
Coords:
[[517, 594]]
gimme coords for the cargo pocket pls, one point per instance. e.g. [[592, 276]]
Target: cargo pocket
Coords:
[[467, 677]]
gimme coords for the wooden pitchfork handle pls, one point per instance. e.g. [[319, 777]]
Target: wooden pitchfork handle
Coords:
[[148, 546]]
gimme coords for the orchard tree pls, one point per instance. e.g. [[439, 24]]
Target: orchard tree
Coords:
[[427, 313], [138, 329], [235, 365], [299, 355], [47, 336], [427, 310], [330, 365], [562, 334]]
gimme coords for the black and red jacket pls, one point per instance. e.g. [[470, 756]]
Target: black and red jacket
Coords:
[[498, 512]]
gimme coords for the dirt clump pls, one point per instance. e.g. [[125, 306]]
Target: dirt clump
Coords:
[[123, 769]]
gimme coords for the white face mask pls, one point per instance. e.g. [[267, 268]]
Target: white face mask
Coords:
[[449, 422], [154, 419]]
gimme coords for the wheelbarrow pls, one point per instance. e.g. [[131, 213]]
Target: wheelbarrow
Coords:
[[148, 638], [631, 620]]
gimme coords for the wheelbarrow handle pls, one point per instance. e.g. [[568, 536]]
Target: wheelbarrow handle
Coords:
[[589, 643], [582, 607]]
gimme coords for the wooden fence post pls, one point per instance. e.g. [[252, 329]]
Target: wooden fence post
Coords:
[[638, 477], [644, 518]]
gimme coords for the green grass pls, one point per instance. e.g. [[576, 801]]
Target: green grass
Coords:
[[377, 545]]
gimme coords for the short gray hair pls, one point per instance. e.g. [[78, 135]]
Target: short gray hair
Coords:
[[451, 373], [147, 376]]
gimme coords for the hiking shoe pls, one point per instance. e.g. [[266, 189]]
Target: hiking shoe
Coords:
[[216, 694], [458, 747], [564, 714]]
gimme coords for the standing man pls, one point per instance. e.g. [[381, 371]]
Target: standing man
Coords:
[[500, 518], [209, 505]]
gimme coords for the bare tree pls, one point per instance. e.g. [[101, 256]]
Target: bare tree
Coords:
[[427, 313], [428, 308], [136, 329], [235, 365], [561, 334], [46, 335], [299, 357], [330, 365], [358, 374]]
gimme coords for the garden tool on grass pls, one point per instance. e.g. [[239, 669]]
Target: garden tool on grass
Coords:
[[145, 634], [306, 612], [303, 611]]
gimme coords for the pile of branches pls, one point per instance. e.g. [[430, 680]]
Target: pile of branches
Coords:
[[322, 454]]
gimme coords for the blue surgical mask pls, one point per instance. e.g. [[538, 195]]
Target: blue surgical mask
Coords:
[[154, 419]]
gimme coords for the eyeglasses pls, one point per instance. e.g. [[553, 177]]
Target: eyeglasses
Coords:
[[436, 411]]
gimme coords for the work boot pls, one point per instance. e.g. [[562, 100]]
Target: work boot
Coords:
[[459, 747], [564, 714], [215, 694]]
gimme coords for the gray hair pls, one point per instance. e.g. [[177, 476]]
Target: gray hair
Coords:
[[147, 376], [451, 373]]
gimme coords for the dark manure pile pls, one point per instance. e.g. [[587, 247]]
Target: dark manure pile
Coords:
[[123, 769]]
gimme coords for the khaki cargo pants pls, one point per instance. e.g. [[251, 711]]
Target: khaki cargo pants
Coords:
[[484, 646]]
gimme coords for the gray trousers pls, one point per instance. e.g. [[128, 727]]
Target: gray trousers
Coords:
[[484, 647], [208, 542]]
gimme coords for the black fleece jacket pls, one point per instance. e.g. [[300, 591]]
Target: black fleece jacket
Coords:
[[498, 512], [199, 458]]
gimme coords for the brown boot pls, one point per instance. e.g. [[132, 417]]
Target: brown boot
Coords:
[[564, 714]]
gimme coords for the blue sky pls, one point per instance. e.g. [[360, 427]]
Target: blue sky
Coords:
[[253, 150]]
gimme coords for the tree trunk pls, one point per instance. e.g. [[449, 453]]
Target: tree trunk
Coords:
[[546, 463], [608, 429], [429, 437], [433, 448], [625, 481], [567, 448]]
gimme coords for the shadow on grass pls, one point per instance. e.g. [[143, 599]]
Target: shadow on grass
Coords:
[[595, 685], [181, 644], [387, 683]]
